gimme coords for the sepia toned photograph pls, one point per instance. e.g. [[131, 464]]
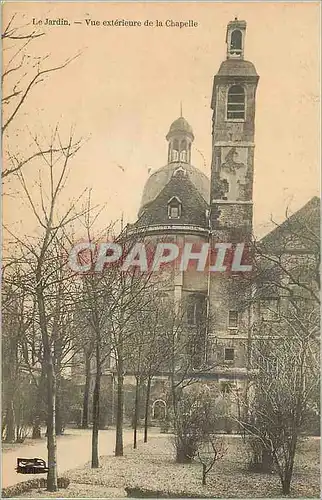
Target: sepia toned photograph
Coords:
[[160, 305]]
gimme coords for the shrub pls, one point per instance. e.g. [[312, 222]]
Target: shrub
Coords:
[[24, 486], [193, 423]]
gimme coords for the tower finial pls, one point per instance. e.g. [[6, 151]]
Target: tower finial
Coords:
[[181, 109], [235, 39]]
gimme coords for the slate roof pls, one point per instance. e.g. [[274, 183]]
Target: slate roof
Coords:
[[300, 231], [237, 67], [159, 179]]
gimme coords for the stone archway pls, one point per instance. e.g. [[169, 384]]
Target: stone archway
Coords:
[[159, 409]]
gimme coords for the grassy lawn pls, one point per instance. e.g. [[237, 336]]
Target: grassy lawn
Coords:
[[152, 467]]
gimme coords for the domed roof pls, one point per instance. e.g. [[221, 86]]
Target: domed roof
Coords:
[[159, 179], [182, 126], [237, 67]]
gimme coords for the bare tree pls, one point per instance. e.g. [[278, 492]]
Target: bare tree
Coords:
[[94, 302], [209, 453], [130, 295], [37, 254], [110, 298], [88, 355], [16, 320], [91, 317], [281, 397], [145, 351], [23, 71], [194, 421], [284, 341]]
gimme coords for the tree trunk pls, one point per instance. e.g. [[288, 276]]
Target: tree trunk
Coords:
[[36, 428], [136, 412], [267, 461], [96, 410], [59, 420], [204, 474], [119, 407], [86, 391], [147, 409], [52, 484], [41, 391], [10, 422], [288, 470], [183, 455], [286, 483], [10, 373], [59, 425]]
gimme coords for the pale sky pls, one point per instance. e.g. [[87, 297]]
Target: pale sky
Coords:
[[125, 89]]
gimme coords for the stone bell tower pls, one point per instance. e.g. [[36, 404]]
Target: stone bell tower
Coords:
[[233, 104], [231, 213]]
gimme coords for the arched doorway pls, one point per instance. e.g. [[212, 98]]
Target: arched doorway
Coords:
[[159, 409]]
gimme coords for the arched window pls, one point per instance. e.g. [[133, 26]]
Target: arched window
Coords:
[[236, 42], [183, 156], [183, 151], [175, 155], [236, 103], [196, 309], [175, 150]]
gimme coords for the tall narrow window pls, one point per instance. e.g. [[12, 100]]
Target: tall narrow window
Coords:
[[236, 42], [233, 319], [183, 156], [196, 309], [236, 103], [175, 150], [183, 151], [175, 155]]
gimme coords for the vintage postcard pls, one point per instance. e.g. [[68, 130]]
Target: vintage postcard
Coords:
[[161, 249]]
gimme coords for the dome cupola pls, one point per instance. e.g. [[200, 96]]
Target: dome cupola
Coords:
[[180, 138]]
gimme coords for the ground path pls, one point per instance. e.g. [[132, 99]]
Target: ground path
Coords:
[[73, 450]]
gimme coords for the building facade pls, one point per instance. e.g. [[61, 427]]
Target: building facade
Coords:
[[180, 204]]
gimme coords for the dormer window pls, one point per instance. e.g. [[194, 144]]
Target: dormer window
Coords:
[[174, 213], [174, 208], [236, 103]]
